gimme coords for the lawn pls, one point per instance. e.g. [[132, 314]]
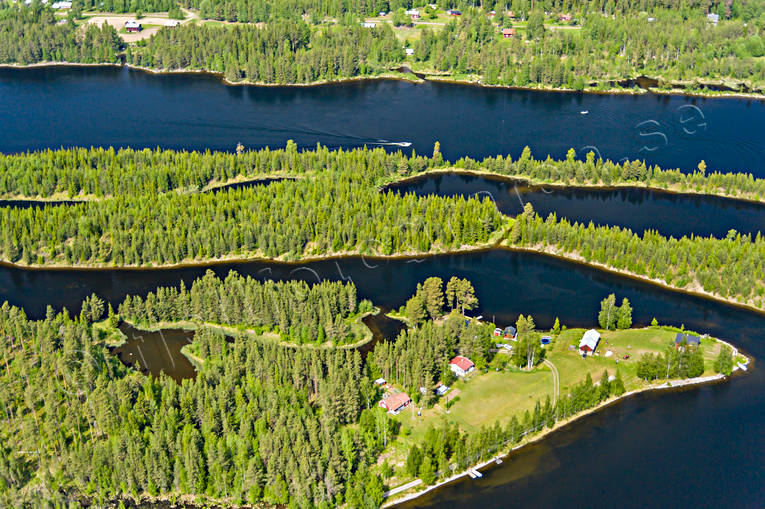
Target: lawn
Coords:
[[633, 342]]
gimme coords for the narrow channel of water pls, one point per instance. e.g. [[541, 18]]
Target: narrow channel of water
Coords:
[[635, 208]]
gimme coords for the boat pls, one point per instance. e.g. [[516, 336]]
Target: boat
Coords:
[[584, 112], [498, 461]]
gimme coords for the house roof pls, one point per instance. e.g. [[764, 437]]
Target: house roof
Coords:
[[510, 330], [508, 31], [396, 401], [462, 362], [688, 338], [132, 24], [590, 339]]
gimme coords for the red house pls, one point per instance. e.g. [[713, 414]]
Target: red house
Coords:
[[508, 32], [396, 402]]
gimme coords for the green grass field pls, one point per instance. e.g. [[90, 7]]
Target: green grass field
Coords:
[[486, 398]]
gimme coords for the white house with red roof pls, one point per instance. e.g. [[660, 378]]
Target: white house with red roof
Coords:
[[461, 366], [395, 402]]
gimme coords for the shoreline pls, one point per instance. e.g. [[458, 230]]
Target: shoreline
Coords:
[[410, 78], [671, 384], [515, 179], [498, 245]]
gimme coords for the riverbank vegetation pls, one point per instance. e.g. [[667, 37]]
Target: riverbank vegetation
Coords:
[[732, 268], [266, 423], [336, 207], [592, 48], [291, 310], [80, 173]]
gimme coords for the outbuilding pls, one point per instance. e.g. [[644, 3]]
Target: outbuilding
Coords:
[[133, 26], [511, 333], [461, 366], [589, 342], [396, 402], [508, 32]]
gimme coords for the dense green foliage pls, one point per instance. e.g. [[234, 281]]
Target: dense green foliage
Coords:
[[259, 422], [665, 40], [674, 46], [280, 52], [30, 35], [335, 210], [733, 267], [684, 361], [98, 172], [293, 309]]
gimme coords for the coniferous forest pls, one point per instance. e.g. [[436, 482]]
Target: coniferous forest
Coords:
[[272, 43]]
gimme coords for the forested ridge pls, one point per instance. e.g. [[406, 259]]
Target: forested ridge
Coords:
[[79, 173], [610, 42], [334, 206], [292, 309], [733, 267]]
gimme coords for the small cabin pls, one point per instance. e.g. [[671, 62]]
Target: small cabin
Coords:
[[508, 32], [368, 24], [511, 333], [453, 12], [133, 26], [441, 389]]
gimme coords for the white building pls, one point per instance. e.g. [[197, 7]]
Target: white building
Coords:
[[62, 5], [461, 366], [589, 342]]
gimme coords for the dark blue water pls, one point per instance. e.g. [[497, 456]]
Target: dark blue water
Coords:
[[634, 208], [54, 107]]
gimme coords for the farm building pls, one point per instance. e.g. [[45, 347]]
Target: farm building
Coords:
[[396, 402], [133, 26], [589, 342], [461, 366]]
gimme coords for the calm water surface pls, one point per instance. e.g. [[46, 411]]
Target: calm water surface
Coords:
[[698, 447], [64, 106], [634, 208]]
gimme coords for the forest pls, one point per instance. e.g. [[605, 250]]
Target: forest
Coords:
[[93, 173], [295, 311], [337, 203], [662, 40], [733, 267], [31, 35]]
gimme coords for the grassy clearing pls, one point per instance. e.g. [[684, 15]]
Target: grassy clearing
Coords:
[[488, 397]]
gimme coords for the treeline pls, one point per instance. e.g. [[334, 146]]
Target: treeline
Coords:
[[672, 46], [31, 35], [336, 211], [677, 361], [420, 357], [98, 172], [446, 451], [296, 311], [733, 267], [259, 423], [284, 51]]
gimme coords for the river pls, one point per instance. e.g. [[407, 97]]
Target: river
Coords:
[[74, 106], [701, 446], [638, 209]]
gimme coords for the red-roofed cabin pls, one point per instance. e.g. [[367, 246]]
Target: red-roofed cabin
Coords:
[[461, 365], [508, 32], [396, 402]]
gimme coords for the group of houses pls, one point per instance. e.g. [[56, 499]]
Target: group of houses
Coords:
[[394, 402]]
